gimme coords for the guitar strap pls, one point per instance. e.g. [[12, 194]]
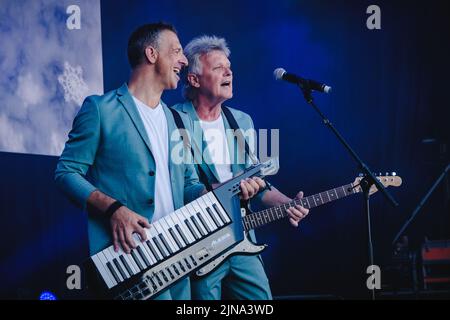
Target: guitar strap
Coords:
[[233, 125]]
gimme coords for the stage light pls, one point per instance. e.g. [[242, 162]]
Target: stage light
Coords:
[[47, 295]]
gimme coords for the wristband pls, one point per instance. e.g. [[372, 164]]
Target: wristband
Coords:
[[113, 208]]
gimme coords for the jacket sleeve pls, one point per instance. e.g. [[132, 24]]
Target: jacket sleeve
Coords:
[[79, 154], [193, 188]]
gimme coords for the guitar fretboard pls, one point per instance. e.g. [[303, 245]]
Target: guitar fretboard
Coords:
[[261, 218]]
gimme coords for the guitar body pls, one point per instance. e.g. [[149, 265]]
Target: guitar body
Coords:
[[246, 246]]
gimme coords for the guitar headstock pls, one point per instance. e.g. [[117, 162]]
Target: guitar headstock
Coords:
[[388, 180], [270, 167]]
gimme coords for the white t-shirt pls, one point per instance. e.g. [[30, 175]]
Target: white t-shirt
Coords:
[[156, 127], [217, 145]]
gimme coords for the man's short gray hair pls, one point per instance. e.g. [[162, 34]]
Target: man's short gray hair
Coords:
[[194, 50]]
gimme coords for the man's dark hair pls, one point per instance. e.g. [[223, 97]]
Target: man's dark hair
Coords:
[[141, 38]]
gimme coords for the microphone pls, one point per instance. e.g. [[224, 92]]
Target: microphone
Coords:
[[281, 74]]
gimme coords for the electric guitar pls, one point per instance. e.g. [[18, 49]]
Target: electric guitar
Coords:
[[253, 220]]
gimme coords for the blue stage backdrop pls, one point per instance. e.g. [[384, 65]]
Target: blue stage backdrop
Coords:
[[389, 101]]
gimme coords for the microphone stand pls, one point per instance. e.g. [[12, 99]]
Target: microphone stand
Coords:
[[369, 178]]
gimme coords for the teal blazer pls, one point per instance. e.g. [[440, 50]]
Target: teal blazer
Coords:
[[244, 122], [108, 149]]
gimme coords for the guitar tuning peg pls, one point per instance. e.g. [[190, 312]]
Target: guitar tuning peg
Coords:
[[387, 174], [393, 173], [361, 175], [380, 174]]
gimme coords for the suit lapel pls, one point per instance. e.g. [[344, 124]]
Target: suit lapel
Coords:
[[127, 102]]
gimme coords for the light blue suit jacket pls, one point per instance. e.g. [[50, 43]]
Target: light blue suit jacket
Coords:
[[108, 149], [244, 122]]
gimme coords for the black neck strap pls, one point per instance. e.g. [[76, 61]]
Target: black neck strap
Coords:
[[233, 124]]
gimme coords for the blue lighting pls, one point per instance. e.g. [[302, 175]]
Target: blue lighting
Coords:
[[47, 295]]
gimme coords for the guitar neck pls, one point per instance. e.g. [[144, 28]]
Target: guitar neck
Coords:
[[261, 218]]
